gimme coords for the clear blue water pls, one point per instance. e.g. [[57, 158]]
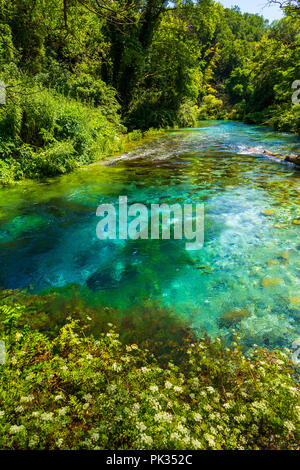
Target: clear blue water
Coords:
[[250, 262]]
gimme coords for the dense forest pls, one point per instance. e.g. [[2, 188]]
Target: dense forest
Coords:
[[80, 74]]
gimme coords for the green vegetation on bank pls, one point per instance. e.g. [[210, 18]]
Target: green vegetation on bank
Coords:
[[68, 389], [79, 75]]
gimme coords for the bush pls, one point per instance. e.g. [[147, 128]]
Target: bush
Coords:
[[187, 115], [286, 120], [47, 134], [76, 392]]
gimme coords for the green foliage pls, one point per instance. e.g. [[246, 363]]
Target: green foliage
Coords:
[[47, 134], [211, 108], [77, 392], [263, 86]]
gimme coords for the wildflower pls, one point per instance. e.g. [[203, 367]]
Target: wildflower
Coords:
[[111, 388], [227, 406], [294, 391], [182, 429], [153, 388], [141, 427], [19, 409], [95, 436], [136, 406], [210, 390], [210, 440], [33, 441], [289, 426], [88, 397], [196, 444], [29, 376], [164, 417], [178, 389], [63, 411], [59, 442]]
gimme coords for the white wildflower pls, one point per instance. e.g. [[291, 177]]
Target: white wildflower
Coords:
[[16, 429]]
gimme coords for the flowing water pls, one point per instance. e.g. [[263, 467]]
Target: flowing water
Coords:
[[246, 276]]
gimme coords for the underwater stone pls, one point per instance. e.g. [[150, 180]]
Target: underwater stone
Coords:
[[293, 159]]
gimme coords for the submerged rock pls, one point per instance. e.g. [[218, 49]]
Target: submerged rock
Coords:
[[231, 318], [272, 262], [268, 212], [106, 279], [271, 282], [293, 159]]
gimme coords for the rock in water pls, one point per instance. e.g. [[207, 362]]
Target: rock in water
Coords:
[[231, 318], [271, 282], [268, 212], [102, 279]]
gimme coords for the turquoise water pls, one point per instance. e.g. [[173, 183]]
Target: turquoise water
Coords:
[[248, 269]]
